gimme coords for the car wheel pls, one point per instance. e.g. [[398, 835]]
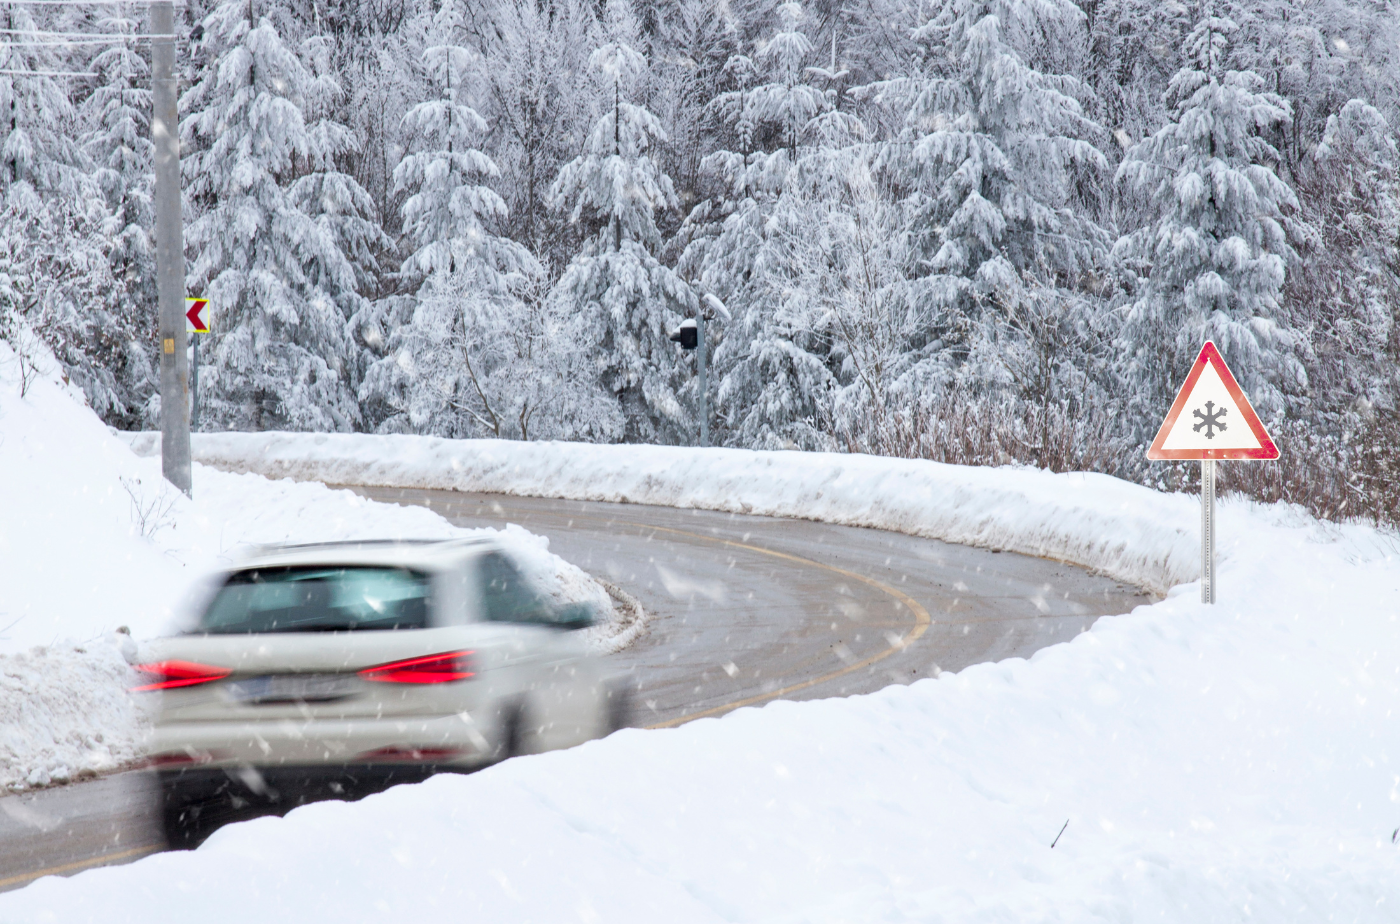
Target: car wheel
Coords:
[[619, 708], [190, 812], [180, 822], [513, 736]]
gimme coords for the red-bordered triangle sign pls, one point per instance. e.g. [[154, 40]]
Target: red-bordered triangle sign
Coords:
[[1211, 418]]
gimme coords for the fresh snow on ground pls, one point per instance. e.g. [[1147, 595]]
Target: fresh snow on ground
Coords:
[[1214, 763], [1227, 763], [93, 540]]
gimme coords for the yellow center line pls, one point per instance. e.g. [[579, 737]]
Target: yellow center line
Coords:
[[921, 624], [921, 615], [130, 853]]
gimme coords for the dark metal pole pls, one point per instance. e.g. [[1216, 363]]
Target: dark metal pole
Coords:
[[700, 347], [194, 382], [170, 255]]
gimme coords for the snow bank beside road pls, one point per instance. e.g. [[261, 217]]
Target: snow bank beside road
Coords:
[[1214, 764], [1131, 533], [65, 713]]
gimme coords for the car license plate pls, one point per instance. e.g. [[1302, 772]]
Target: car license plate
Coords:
[[292, 688]]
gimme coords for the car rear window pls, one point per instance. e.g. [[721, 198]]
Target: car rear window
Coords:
[[318, 599]]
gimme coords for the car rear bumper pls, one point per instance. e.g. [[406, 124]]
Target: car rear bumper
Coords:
[[285, 786], [454, 741]]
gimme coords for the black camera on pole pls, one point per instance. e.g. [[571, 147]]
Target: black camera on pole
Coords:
[[687, 336]]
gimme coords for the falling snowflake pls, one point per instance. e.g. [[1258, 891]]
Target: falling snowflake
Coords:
[[1210, 420]]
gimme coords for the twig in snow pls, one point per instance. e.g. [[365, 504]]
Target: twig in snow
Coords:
[[1057, 836], [149, 515]]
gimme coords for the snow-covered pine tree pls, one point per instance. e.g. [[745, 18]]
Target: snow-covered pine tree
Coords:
[[118, 140], [1311, 54], [332, 198], [116, 117], [39, 150], [1210, 256], [766, 115], [783, 104], [1135, 47], [278, 352], [773, 379], [617, 292], [829, 339], [374, 52], [1345, 287], [458, 352], [449, 207], [53, 246], [539, 110], [689, 42], [992, 162]]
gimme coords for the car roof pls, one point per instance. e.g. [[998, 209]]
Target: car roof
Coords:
[[430, 554]]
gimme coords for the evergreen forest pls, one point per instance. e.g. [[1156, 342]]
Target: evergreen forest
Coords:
[[973, 231]]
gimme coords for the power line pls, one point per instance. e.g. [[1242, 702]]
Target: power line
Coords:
[[48, 74], [61, 43], [80, 3], [41, 33]]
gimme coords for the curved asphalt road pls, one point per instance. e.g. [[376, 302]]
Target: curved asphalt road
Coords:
[[741, 610]]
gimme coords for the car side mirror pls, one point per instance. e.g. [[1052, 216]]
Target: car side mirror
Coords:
[[574, 616]]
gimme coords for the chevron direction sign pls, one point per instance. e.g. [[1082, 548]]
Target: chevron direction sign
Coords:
[[197, 315]]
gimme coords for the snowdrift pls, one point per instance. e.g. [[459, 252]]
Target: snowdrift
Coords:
[[1133, 534]]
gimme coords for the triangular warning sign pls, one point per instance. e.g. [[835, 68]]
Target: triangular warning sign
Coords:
[[1211, 418]]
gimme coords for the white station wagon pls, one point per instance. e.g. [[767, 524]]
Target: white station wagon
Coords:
[[333, 670]]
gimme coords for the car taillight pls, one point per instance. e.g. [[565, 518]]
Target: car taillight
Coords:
[[185, 758], [170, 674], [421, 755], [438, 668]]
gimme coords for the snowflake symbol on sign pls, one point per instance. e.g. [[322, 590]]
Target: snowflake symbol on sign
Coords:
[[1210, 420]]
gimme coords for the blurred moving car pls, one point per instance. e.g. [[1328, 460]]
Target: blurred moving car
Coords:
[[337, 669]]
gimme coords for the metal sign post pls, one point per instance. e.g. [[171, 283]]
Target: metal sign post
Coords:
[[1207, 530], [196, 323], [194, 382], [700, 347], [1221, 425], [691, 336]]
